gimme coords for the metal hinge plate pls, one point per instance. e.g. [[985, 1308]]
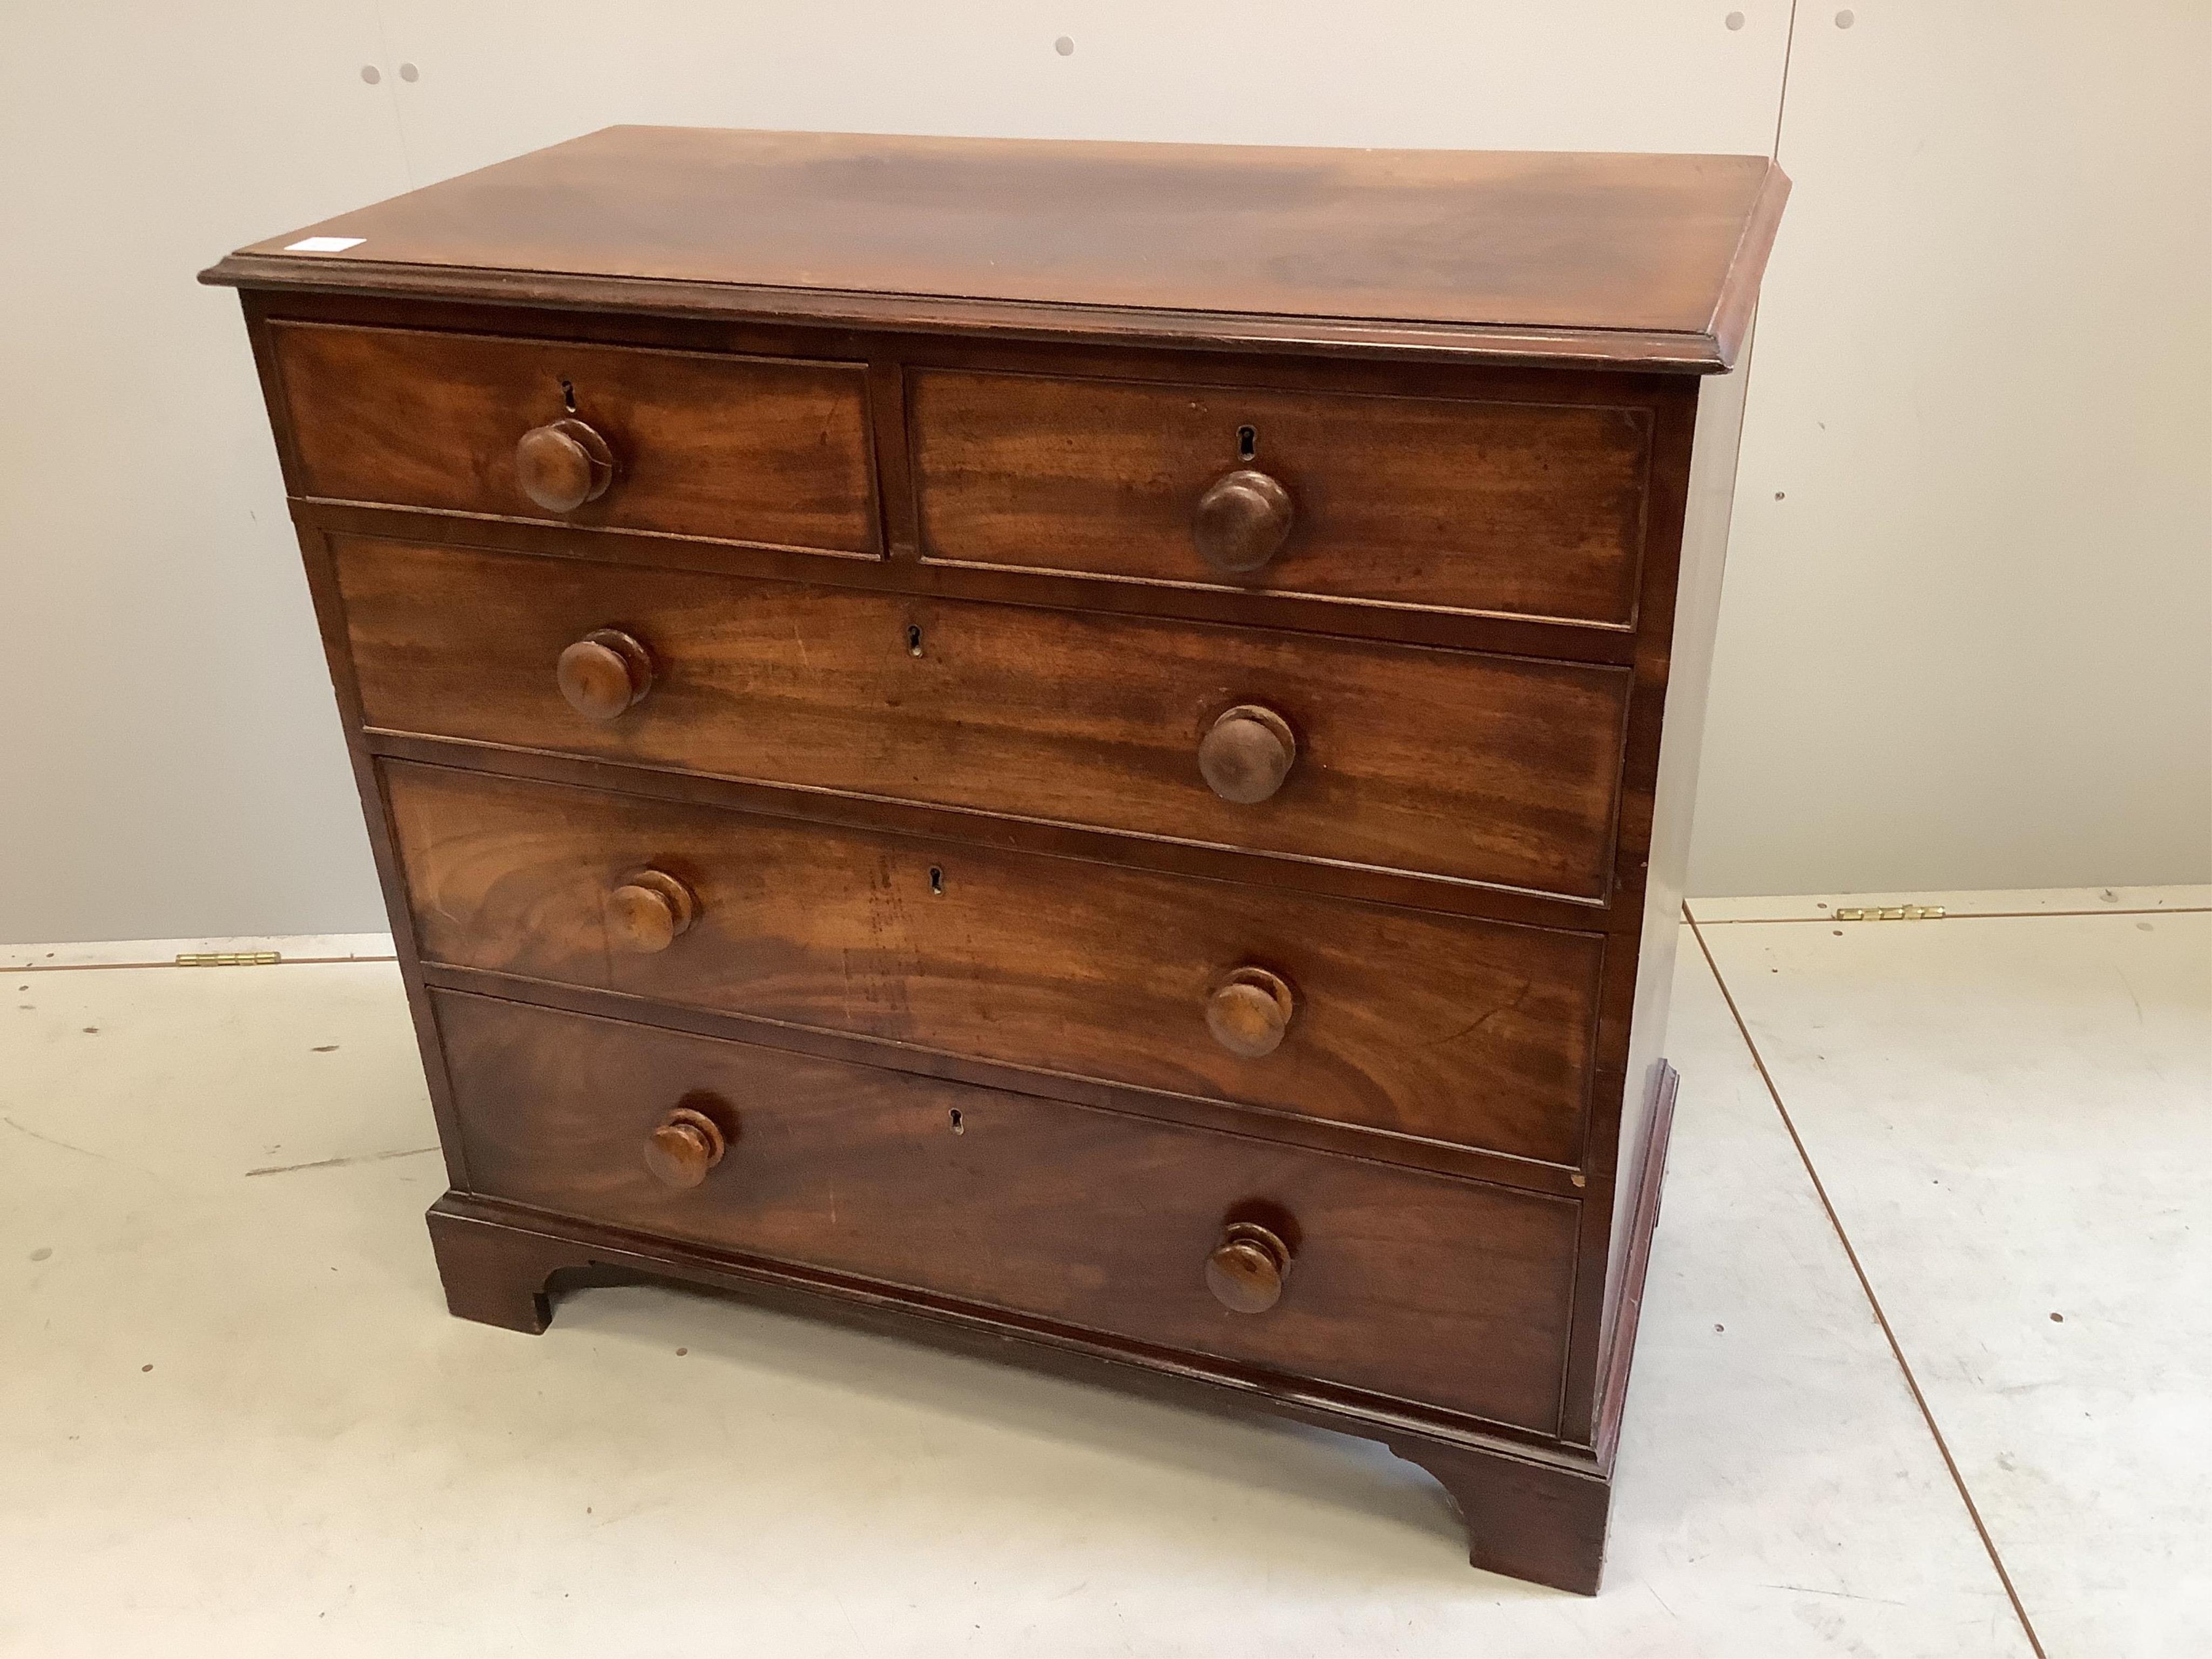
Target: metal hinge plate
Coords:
[[229, 958], [1891, 913]]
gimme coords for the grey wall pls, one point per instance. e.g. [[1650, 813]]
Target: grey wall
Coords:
[[1968, 640], [1965, 637]]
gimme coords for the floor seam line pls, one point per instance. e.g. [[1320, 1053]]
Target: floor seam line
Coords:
[[1866, 1286], [1962, 915], [96, 967]]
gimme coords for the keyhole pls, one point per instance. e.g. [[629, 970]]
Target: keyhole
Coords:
[[959, 1126], [913, 639], [1248, 442], [569, 396], [937, 881]]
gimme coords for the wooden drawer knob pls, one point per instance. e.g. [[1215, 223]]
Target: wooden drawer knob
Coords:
[[1247, 753], [563, 465], [1243, 520], [648, 911], [683, 1148], [604, 674], [1249, 1268], [1249, 1012]]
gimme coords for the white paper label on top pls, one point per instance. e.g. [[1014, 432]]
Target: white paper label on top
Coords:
[[324, 244]]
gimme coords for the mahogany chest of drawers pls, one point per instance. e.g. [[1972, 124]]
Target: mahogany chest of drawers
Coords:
[[1080, 747]]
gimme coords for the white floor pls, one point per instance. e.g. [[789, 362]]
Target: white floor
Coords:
[[235, 1419]]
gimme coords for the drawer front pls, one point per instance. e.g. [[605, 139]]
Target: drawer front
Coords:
[[747, 449], [1521, 509], [1443, 1027], [1447, 1293], [1483, 768]]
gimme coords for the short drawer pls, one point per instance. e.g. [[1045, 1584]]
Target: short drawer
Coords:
[[1516, 508], [1481, 768], [747, 449], [1423, 1288], [1442, 1027]]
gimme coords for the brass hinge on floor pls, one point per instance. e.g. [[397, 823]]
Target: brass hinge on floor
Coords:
[[1892, 913], [229, 958]]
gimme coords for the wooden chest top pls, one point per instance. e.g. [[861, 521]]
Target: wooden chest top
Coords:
[[1644, 260]]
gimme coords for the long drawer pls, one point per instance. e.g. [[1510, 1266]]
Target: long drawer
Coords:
[[1482, 768], [752, 449], [1423, 1288], [1443, 1027]]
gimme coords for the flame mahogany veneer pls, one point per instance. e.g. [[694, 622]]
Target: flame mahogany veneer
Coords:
[[1079, 749]]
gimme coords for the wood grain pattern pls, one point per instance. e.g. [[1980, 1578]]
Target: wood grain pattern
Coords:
[[1510, 508], [1524, 1518], [1056, 1211], [1508, 775], [734, 449], [812, 887], [1442, 1027], [1627, 256], [1685, 674], [1532, 1511], [1643, 1222], [1249, 1268], [1665, 400], [564, 463]]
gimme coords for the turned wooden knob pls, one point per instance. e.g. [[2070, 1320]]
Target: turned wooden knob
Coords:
[[604, 674], [683, 1148], [1247, 1269], [1241, 521], [563, 465], [1247, 753], [1249, 1012], [648, 911]]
